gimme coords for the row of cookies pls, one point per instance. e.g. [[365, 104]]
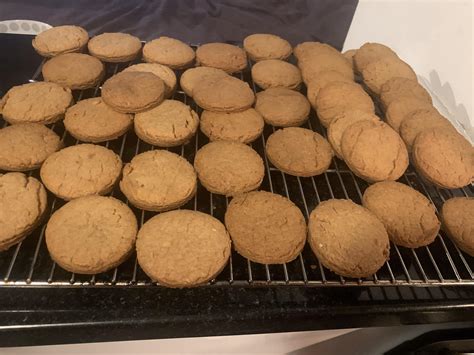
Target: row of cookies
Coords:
[[440, 154]]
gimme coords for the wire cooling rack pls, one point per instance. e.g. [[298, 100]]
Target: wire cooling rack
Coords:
[[441, 263]]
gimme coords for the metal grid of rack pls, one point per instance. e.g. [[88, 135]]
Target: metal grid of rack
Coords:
[[441, 263]]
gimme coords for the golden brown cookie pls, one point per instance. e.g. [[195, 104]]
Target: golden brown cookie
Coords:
[[409, 217], [444, 157], [131, 92], [23, 201], [374, 151], [161, 71], [226, 94], [314, 50], [223, 56], [115, 47], [299, 151], [263, 46], [81, 170], [379, 72], [38, 102], [245, 126], [229, 168], [275, 73], [91, 234], [266, 228], [371, 52], [322, 80], [398, 87], [341, 122], [458, 221], [338, 97], [76, 71], [59, 40], [347, 238], [183, 248], [168, 51], [282, 107], [400, 108], [169, 124], [26, 146], [93, 121], [311, 69], [158, 180], [194, 76], [419, 121]]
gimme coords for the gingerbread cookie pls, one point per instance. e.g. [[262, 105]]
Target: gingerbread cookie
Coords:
[[274, 73], [371, 52], [223, 56], [59, 40], [161, 71], [229, 168], [321, 81], [194, 76], [299, 151], [170, 52], [262, 46], [183, 248], [115, 47], [458, 221], [399, 87], [400, 108]]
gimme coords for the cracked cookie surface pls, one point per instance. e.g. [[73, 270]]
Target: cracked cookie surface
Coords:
[[91, 234], [458, 221], [23, 202], [158, 180], [183, 248], [347, 238], [59, 40], [81, 170], [266, 228]]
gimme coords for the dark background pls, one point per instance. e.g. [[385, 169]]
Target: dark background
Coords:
[[195, 21]]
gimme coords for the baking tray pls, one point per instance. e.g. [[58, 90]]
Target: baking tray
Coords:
[[412, 287]]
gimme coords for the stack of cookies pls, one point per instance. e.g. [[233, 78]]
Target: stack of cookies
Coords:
[[93, 233]]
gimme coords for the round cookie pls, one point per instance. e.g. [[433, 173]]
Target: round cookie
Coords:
[[299, 151], [26, 146], [374, 151], [409, 217], [313, 50], [115, 47], [23, 202], [132, 91], [91, 234], [38, 102], [400, 108], [419, 121], [282, 107], [397, 87], [274, 73], [347, 238], [229, 168], [458, 221], [81, 170], [59, 40], [169, 124], [76, 71], [168, 51], [322, 80], [340, 123], [311, 69], [161, 71], [338, 97], [265, 228], [226, 94], [223, 56], [194, 76], [158, 180], [371, 52], [263, 46], [91, 120], [183, 248], [379, 72], [444, 157], [245, 126]]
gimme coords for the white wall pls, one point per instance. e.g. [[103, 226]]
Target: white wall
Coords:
[[435, 37]]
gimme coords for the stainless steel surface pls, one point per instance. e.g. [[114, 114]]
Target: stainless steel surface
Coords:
[[441, 263]]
